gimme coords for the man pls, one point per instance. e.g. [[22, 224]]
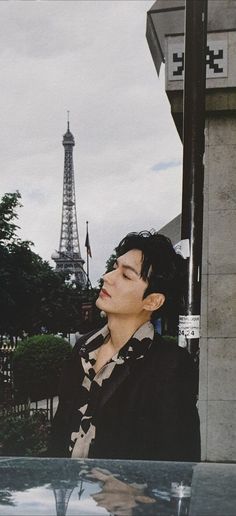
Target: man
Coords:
[[127, 393]]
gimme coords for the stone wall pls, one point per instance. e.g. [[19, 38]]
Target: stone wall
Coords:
[[165, 35], [218, 328]]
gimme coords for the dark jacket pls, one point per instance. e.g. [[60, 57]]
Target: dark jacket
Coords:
[[146, 410]]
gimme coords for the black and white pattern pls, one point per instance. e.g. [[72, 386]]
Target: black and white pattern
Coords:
[[216, 60], [134, 349], [178, 64]]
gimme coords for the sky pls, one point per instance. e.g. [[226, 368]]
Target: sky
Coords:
[[41, 500], [91, 58]]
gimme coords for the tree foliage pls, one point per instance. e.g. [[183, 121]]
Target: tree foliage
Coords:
[[23, 435], [37, 365], [8, 205], [32, 295]]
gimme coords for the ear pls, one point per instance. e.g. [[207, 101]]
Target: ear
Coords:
[[153, 301]]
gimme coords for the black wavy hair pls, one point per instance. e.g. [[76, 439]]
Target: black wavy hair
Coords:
[[161, 265]]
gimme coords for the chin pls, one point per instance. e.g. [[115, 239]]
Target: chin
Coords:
[[99, 303]]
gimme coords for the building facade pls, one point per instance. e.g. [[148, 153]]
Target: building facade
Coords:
[[165, 35]]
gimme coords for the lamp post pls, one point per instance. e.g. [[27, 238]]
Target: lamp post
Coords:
[[193, 167]]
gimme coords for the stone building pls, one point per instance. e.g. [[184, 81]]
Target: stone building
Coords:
[[165, 35]]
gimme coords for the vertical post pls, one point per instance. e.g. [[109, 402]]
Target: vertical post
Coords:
[[87, 249], [51, 409], [193, 167]]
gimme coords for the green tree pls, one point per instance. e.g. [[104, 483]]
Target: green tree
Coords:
[[32, 294], [8, 205], [37, 365], [23, 435]]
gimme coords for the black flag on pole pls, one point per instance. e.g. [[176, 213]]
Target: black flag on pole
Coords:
[[87, 244]]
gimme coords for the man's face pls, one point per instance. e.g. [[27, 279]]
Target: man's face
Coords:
[[123, 288]]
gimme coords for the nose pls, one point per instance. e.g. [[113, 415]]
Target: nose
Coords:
[[109, 277]]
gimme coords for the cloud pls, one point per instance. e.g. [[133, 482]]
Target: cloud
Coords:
[[41, 500], [165, 165], [93, 59]]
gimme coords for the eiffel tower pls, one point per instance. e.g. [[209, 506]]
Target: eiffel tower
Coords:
[[68, 257], [62, 496]]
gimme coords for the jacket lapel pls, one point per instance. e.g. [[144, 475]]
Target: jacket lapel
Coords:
[[108, 388]]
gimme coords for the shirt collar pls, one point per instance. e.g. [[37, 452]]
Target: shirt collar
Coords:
[[95, 341], [139, 343], [135, 347]]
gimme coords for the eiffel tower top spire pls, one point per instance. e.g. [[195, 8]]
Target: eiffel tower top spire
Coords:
[[68, 257], [68, 138]]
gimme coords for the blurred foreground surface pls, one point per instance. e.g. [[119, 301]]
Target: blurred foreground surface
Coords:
[[66, 487]]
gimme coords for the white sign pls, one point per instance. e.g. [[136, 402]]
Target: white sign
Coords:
[[189, 328], [182, 248], [216, 59]]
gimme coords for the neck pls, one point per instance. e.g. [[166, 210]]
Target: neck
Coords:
[[122, 328]]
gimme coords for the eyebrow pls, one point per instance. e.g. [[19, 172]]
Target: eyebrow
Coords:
[[128, 267]]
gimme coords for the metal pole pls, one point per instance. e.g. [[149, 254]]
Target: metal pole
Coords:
[[193, 167], [51, 409], [87, 257]]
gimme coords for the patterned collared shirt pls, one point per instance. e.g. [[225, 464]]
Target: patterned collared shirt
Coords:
[[92, 382]]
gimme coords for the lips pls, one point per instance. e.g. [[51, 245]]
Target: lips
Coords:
[[104, 293]]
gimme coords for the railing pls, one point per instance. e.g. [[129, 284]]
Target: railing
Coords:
[[24, 408], [6, 374]]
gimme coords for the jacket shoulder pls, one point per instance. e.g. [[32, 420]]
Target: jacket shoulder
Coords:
[[175, 360], [169, 345], [167, 350]]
